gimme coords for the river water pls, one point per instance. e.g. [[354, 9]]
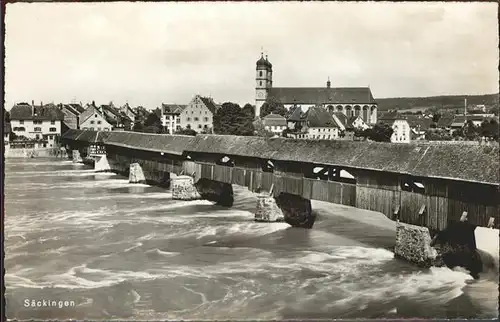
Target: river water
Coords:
[[127, 251]]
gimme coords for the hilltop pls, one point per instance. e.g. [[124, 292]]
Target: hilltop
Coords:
[[442, 102]]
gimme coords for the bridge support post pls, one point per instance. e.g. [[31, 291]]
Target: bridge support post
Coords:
[[135, 174], [297, 211], [267, 209], [183, 188], [77, 158], [453, 246], [102, 164]]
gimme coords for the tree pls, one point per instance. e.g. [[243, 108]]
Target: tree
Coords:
[[471, 132], [489, 129], [231, 119], [436, 117], [249, 110], [259, 129], [438, 135], [380, 132], [272, 105], [138, 126], [186, 132], [152, 124]]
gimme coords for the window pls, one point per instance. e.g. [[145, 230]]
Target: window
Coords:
[[206, 119], [95, 115], [199, 126], [260, 83], [44, 145], [106, 129], [21, 122], [99, 122], [188, 119], [38, 129], [50, 145], [53, 129], [260, 73], [91, 122], [50, 137], [52, 122], [205, 126], [188, 126], [192, 112], [37, 136], [196, 119], [178, 127]]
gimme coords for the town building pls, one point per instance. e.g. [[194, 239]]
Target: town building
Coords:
[[6, 135], [348, 125], [39, 123], [401, 128], [351, 101], [419, 126], [118, 119], [316, 123], [198, 114], [93, 119], [171, 117], [274, 123], [128, 112], [71, 117]]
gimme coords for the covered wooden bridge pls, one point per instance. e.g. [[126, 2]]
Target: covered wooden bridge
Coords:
[[423, 184]]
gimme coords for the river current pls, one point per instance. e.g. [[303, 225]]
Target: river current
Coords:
[[128, 251]]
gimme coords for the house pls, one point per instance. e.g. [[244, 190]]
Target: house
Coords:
[[316, 123], [460, 120], [71, 116], [445, 122], [93, 119], [419, 126], [198, 114], [401, 128], [128, 112], [351, 101], [119, 120], [274, 123], [41, 123], [171, 117], [348, 125]]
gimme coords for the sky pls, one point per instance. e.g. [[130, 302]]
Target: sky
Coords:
[[147, 53]]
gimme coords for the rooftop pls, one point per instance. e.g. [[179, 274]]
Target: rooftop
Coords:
[[322, 95]]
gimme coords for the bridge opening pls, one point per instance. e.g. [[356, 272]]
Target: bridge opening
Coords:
[[225, 161], [268, 166], [410, 185]]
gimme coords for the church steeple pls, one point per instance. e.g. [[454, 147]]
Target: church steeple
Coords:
[[264, 81], [328, 83]]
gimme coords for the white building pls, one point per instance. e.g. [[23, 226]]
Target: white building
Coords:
[[351, 101], [171, 117], [401, 128], [41, 123], [274, 123]]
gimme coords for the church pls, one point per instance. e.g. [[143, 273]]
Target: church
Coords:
[[351, 101]]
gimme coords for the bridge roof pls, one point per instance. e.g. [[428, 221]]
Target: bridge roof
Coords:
[[477, 163], [85, 136], [171, 144]]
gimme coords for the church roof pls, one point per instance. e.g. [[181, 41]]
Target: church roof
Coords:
[[322, 95]]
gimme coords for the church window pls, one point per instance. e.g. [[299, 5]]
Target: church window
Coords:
[[260, 83]]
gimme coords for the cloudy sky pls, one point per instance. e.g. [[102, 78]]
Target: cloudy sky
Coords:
[[148, 53]]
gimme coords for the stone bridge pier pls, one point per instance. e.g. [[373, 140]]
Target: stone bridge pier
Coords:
[[142, 174], [453, 246], [185, 188]]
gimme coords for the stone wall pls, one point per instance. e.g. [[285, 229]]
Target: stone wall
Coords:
[[267, 210], [136, 175], [183, 188], [33, 153]]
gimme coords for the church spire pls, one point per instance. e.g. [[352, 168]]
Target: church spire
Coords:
[[328, 83]]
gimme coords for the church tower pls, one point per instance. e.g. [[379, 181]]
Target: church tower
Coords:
[[264, 81]]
